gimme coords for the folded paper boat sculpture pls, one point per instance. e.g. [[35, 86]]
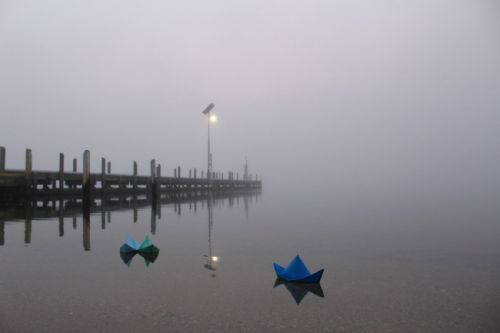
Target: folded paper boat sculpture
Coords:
[[131, 245], [146, 249], [296, 271]]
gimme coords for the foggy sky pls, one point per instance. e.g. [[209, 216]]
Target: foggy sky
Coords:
[[355, 95]]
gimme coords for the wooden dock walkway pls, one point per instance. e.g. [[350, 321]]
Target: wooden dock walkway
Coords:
[[29, 182]]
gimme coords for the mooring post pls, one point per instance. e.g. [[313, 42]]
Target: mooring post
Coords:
[[28, 169], [86, 174], [74, 165], [158, 176], [2, 159], [194, 173], [61, 172], [153, 180], [109, 167], [179, 171], [103, 174], [134, 180]]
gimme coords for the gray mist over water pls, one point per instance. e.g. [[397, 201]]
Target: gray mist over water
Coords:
[[381, 97], [375, 126]]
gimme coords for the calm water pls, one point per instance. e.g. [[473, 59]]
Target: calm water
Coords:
[[391, 265]]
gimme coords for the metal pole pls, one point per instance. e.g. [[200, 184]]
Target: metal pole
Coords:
[[209, 157]]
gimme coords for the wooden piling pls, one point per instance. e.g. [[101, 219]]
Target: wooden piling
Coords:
[[153, 177], [103, 174], [109, 167], [61, 172], [28, 169], [2, 159], [134, 180], [86, 174], [75, 165], [179, 171], [194, 173]]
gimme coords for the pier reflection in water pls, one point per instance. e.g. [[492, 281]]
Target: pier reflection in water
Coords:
[[60, 208]]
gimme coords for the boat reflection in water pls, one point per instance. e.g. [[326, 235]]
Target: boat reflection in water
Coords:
[[300, 290], [149, 257]]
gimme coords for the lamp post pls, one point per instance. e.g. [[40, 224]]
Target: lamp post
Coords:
[[211, 119]]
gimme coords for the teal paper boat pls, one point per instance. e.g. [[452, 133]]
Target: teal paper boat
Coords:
[[146, 250], [296, 271], [131, 245]]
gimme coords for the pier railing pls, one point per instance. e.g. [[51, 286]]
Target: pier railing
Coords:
[[85, 183]]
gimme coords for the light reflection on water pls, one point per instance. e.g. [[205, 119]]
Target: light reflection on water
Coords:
[[424, 268]]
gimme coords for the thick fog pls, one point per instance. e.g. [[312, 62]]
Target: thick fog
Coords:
[[365, 96]]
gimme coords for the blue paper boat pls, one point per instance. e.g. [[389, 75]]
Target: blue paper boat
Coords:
[[296, 271]]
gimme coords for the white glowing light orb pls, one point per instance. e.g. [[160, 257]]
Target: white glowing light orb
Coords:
[[215, 259], [213, 118]]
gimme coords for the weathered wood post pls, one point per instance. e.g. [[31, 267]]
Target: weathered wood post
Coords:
[[2, 159], [194, 173], [175, 172], [153, 180], [28, 170], [179, 171], [134, 180], [109, 167], [61, 172], [75, 165], [86, 175], [103, 174], [158, 176]]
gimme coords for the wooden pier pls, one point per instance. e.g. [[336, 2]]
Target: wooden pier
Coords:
[[28, 182]]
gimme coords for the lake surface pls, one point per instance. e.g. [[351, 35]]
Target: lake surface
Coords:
[[402, 264]]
